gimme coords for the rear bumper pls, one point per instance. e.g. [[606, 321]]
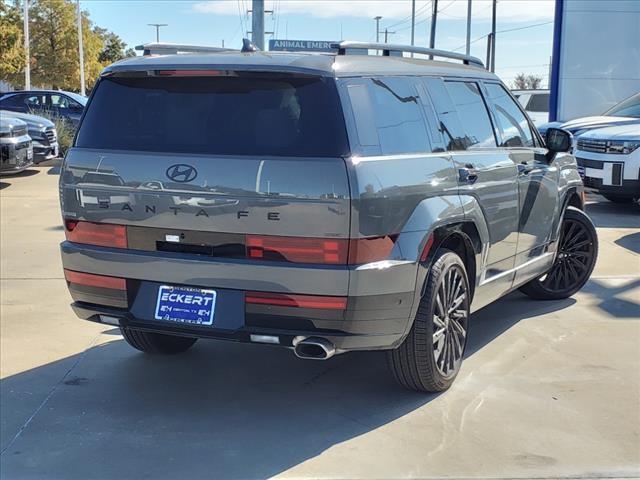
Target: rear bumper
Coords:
[[379, 301]]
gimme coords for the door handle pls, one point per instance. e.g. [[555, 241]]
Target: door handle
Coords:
[[467, 175]]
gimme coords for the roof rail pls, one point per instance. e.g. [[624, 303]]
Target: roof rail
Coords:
[[173, 48], [394, 50]]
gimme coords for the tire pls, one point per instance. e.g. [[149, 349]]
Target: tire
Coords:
[[156, 343], [419, 363], [575, 260], [617, 199]]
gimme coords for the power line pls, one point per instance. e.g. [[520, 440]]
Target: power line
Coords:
[[408, 19], [503, 31]]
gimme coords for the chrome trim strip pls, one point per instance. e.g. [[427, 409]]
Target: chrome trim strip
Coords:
[[513, 270]]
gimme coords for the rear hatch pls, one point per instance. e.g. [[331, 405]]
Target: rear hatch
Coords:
[[207, 161]]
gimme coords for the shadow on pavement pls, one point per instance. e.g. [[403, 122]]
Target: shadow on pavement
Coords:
[[630, 242], [607, 214], [609, 300], [25, 173], [4, 185], [221, 410]]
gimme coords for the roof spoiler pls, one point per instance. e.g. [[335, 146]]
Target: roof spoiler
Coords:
[[395, 50]]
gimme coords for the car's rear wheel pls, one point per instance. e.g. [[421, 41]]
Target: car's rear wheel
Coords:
[[575, 260], [617, 199], [157, 343], [429, 359]]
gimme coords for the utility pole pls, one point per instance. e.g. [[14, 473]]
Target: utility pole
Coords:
[[80, 49], [257, 23], [377, 19], [489, 48], [413, 23], [386, 35], [434, 19], [27, 66], [468, 27], [158, 25], [493, 36]]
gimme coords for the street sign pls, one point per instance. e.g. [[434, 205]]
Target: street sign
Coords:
[[301, 45]]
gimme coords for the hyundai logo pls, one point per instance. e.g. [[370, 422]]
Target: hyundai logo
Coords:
[[182, 173]]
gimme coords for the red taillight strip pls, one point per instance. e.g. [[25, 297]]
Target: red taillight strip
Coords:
[[427, 248], [92, 280], [190, 73], [102, 234], [295, 300]]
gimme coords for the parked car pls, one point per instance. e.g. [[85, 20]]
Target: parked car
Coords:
[[609, 161], [625, 112], [354, 202], [535, 103], [42, 132], [16, 151], [66, 105]]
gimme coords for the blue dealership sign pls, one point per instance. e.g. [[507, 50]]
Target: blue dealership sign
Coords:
[[301, 45]]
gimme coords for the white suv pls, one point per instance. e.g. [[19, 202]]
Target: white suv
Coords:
[[609, 161], [536, 104]]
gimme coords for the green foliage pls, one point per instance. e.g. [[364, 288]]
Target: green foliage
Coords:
[[65, 129], [12, 58], [54, 45]]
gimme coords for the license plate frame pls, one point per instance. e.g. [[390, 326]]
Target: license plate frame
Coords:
[[184, 305]]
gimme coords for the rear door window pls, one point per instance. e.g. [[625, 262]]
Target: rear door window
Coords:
[[473, 114], [248, 114], [514, 126]]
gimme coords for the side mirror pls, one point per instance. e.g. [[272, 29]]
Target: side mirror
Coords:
[[558, 140]]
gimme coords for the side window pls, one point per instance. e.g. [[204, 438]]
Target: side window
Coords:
[[513, 124], [473, 114], [12, 101], [34, 101], [539, 103], [398, 116], [448, 122], [363, 114]]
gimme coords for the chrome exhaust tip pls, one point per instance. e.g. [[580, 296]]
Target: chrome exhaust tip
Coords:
[[314, 348]]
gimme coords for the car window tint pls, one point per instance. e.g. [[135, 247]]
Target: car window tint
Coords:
[[241, 115], [363, 114], [34, 101], [513, 124], [401, 126], [473, 114], [539, 102], [12, 101], [448, 122]]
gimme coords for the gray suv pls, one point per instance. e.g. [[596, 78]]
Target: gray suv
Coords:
[[323, 203]]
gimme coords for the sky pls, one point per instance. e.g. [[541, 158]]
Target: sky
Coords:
[[524, 39]]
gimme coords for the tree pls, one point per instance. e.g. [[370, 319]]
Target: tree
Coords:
[[525, 81], [114, 48], [54, 45], [11, 42]]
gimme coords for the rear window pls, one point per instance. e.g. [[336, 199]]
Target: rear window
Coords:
[[539, 102], [235, 115]]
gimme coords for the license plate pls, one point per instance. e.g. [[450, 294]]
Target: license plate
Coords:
[[185, 305]]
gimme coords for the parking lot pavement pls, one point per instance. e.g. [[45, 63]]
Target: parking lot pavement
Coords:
[[548, 389]]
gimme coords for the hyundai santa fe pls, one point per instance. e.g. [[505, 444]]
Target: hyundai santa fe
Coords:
[[322, 203]]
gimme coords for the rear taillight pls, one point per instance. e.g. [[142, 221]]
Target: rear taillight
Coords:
[[319, 250], [92, 280], [102, 234], [373, 249], [294, 300], [297, 249]]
